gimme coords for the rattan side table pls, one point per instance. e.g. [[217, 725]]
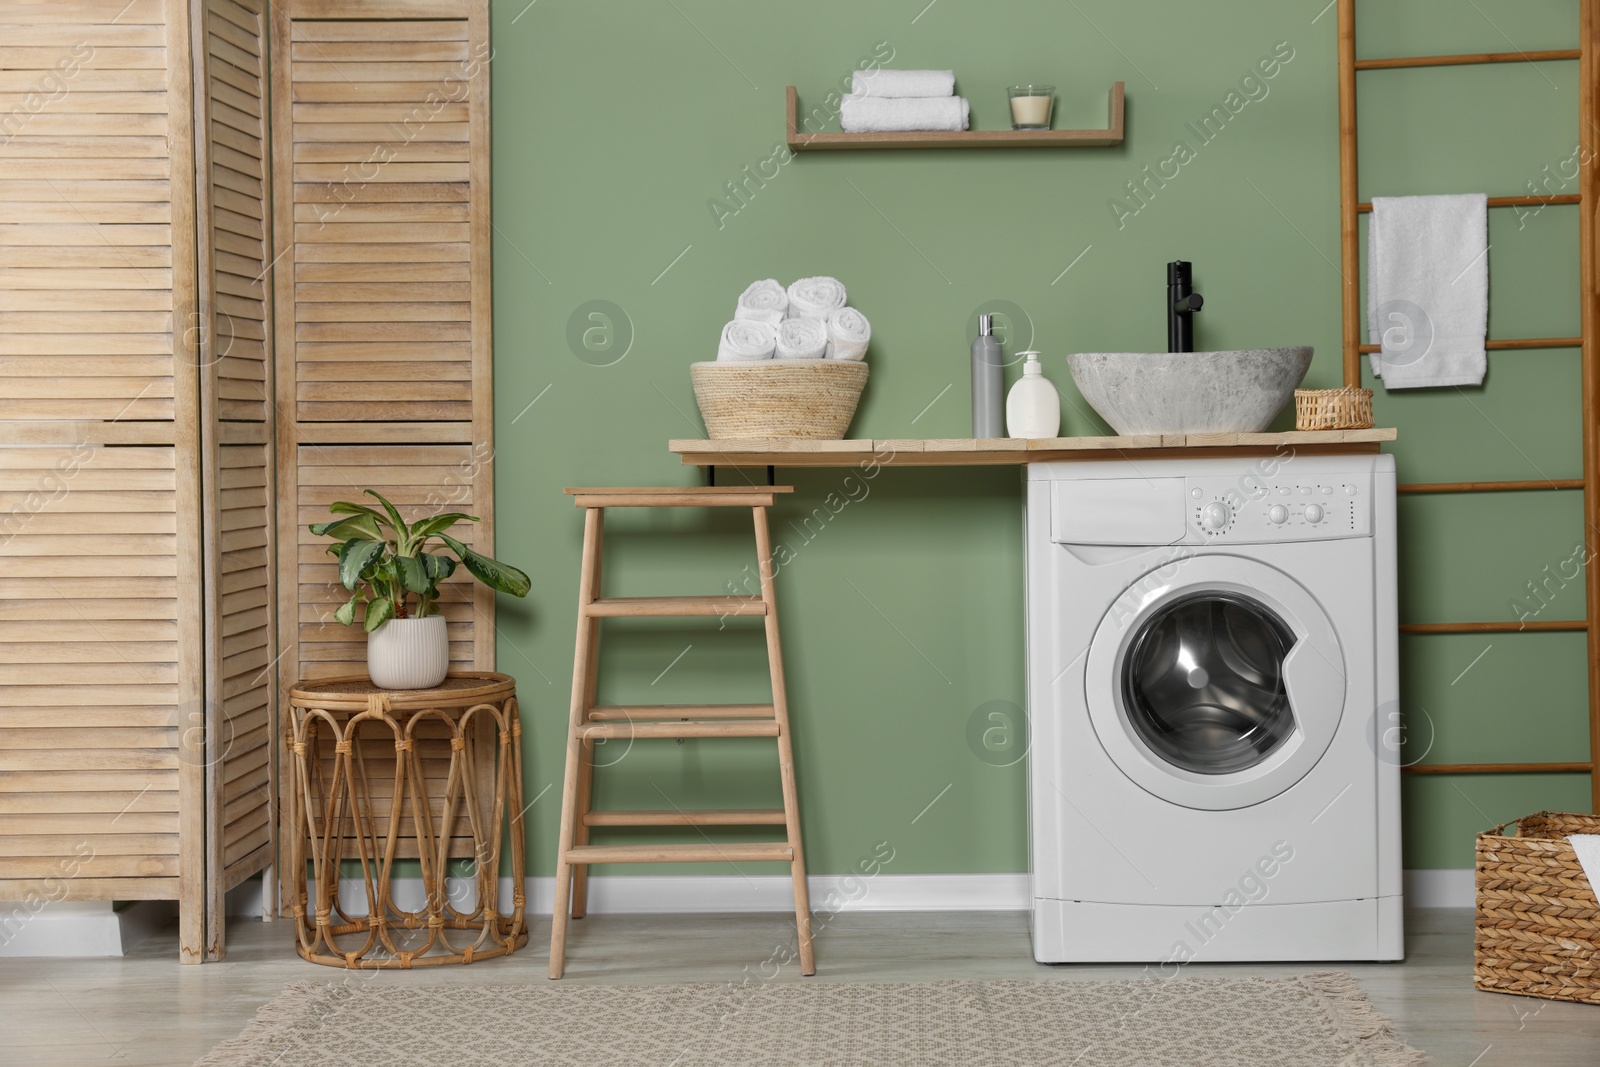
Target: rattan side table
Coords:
[[377, 776]]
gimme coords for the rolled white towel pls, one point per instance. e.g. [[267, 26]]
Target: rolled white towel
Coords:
[[815, 298], [871, 114], [802, 339], [901, 83], [764, 301], [743, 340], [848, 334]]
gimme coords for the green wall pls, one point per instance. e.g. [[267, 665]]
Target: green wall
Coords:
[[617, 125]]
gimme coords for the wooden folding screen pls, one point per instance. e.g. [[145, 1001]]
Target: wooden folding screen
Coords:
[[158, 443], [234, 338], [101, 705], [382, 241]]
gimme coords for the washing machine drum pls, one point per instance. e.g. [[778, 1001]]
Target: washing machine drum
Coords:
[[1215, 682], [1202, 683]]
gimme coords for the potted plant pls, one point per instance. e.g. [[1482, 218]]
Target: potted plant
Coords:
[[395, 580]]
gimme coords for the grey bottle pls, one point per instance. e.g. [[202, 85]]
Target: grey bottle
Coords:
[[988, 392]]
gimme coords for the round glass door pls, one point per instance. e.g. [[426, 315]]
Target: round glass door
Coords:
[[1216, 684], [1202, 682]]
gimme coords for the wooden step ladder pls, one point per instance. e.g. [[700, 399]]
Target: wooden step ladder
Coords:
[[590, 722]]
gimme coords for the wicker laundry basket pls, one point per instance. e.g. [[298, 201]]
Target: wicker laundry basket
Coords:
[[1349, 408], [1538, 921], [805, 398]]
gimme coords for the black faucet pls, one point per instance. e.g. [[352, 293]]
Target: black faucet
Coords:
[[1182, 303]]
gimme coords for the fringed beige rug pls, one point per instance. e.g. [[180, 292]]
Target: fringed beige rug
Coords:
[[1314, 1020]]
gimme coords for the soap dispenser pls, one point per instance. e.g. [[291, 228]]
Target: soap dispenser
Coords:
[[1033, 407]]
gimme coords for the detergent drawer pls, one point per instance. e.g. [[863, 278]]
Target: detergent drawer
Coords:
[[1118, 511]]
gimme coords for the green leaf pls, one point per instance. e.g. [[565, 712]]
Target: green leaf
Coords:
[[379, 612], [361, 528], [438, 524], [344, 507], [347, 611], [414, 574], [501, 577], [439, 567], [355, 558], [402, 531]]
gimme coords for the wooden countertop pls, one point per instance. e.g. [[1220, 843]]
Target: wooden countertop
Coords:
[[958, 451]]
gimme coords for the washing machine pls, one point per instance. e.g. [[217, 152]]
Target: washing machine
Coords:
[[1212, 697]]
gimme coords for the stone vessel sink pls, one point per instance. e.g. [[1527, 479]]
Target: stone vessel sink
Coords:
[[1190, 392]]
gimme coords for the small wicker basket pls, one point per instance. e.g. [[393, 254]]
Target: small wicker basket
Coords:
[[1538, 921], [1349, 408], [799, 398]]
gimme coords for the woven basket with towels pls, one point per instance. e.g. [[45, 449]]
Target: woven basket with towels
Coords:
[[804, 398], [790, 364], [1538, 920]]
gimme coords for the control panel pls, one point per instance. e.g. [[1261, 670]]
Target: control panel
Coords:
[[1261, 510]]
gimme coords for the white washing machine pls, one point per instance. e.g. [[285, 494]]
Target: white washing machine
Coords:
[[1212, 680]]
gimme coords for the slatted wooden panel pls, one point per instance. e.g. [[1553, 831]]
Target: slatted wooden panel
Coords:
[[383, 338], [236, 166], [234, 180], [90, 702], [244, 614], [87, 296], [382, 203], [101, 708]]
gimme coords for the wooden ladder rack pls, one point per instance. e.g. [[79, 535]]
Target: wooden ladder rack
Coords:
[[1350, 210]]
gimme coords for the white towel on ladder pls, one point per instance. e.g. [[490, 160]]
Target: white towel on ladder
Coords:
[[1428, 289]]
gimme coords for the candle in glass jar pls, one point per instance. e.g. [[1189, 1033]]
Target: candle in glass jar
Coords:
[[1030, 106], [1030, 110]]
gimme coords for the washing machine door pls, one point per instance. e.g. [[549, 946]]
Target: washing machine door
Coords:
[[1215, 682]]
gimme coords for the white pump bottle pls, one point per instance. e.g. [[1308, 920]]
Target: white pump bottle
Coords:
[[1033, 407]]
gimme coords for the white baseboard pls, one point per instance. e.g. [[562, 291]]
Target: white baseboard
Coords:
[[1443, 887], [79, 928], [682, 894]]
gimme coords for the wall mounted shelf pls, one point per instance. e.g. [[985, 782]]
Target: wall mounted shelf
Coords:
[[965, 452], [800, 141]]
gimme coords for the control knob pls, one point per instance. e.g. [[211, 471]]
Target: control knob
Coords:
[[1216, 516], [1277, 514], [1313, 512]]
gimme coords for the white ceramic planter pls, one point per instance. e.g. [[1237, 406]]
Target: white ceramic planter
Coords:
[[409, 653]]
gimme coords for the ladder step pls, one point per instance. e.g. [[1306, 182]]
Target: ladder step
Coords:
[[729, 853], [718, 817], [706, 496], [636, 712], [613, 607], [599, 730]]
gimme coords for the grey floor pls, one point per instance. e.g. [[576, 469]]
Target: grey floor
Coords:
[[146, 1009]]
